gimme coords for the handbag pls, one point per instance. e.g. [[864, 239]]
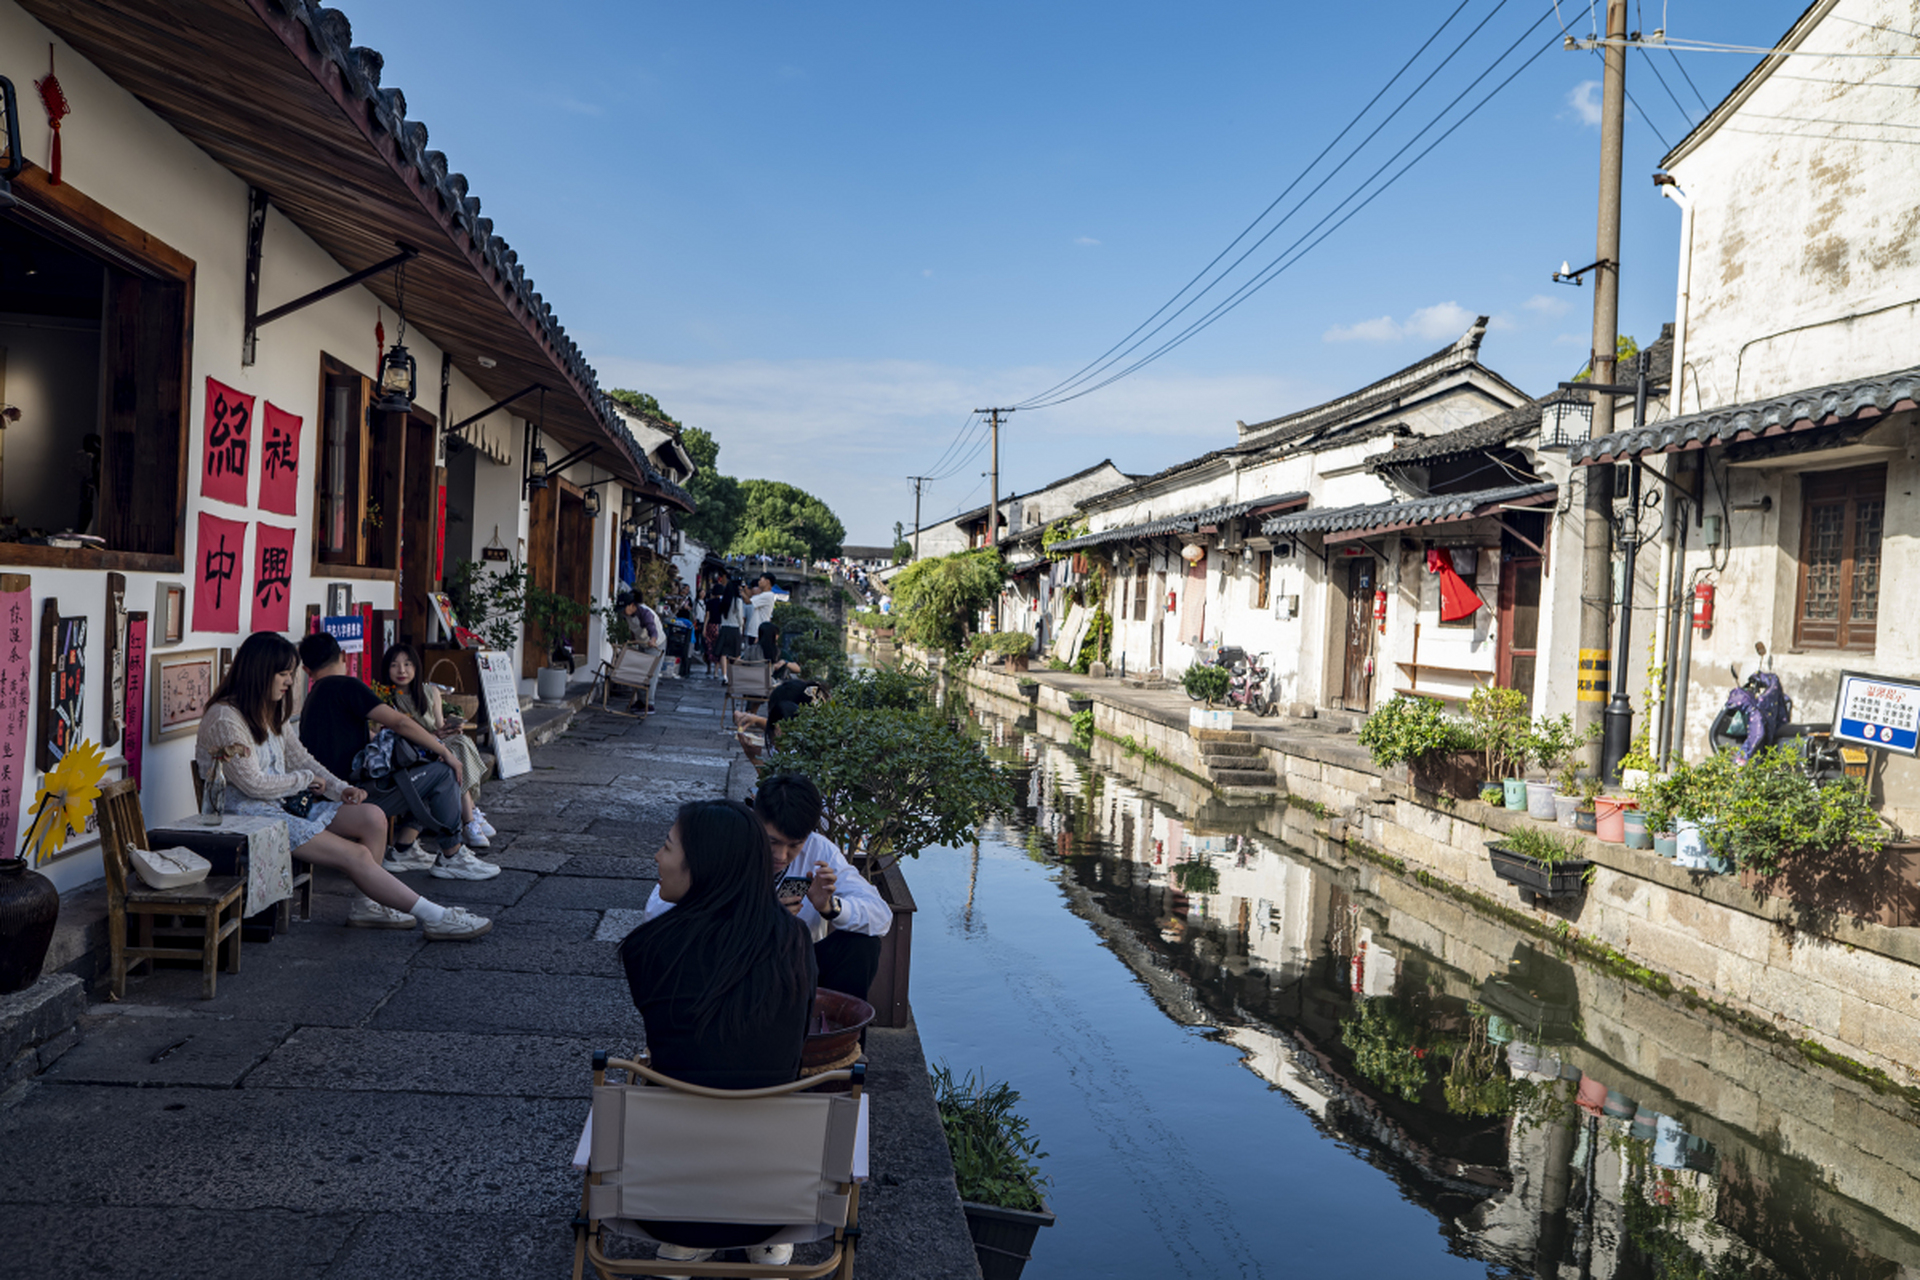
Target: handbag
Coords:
[[173, 868], [298, 805]]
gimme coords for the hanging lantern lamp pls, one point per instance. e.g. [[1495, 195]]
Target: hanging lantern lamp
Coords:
[[398, 375]]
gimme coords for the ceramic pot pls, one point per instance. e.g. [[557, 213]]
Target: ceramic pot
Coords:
[[1565, 809], [1515, 790], [1666, 844], [1540, 801], [1610, 818], [551, 684], [1690, 850], [1583, 820], [29, 906], [1634, 824]]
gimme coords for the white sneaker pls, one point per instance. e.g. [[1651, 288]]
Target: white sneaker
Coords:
[[476, 836], [411, 858], [680, 1253], [365, 913], [462, 865], [480, 816], [458, 925], [770, 1255]]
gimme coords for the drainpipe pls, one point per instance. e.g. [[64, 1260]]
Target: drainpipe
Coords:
[[1679, 626], [1671, 190]]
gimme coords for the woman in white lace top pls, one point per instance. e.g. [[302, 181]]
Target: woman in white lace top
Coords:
[[246, 728]]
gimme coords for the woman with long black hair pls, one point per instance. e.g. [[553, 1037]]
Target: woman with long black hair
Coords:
[[724, 983], [409, 693], [246, 728]]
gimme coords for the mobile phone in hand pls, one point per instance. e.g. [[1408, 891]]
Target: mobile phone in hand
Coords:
[[792, 889]]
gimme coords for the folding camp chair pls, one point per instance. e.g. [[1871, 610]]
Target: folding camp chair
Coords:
[[748, 683], [668, 1151], [631, 665]]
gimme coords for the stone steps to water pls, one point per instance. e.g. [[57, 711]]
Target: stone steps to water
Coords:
[[1221, 735], [1228, 750], [1261, 777]]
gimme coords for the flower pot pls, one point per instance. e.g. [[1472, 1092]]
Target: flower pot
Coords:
[[1446, 773], [833, 1033], [1634, 829], [1218, 718], [1566, 879], [1540, 801], [1690, 850], [1515, 790], [1666, 844], [550, 684], [1077, 705], [29, 905], [1609, 818], [1003, 1238], [1030, 690], [1583, 820], [1565, 809]]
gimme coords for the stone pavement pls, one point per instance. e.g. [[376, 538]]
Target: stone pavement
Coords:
[[361, 1103]]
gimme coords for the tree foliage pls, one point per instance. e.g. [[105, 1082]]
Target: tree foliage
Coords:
[[1624, 350], [937, 599], [718, 502], [774, 507], [902, 549], [641, 402]]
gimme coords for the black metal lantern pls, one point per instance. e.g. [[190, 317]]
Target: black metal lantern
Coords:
[[1564, 423], [591, 500], [398, 376], [537, 469]]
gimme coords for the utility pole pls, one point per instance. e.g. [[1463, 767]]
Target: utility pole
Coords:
[[993, 499], [1596, 570], [917, 482]]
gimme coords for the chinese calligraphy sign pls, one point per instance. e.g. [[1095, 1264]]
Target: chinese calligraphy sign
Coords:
[[272, 577], [280, 461], [133, 747], [218, 564], [16, 693], [63, 683], [229, 444]]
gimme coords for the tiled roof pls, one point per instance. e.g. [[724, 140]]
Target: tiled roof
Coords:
[[1488, 433], [1437, 509], [1186, 523], [1776, 415]]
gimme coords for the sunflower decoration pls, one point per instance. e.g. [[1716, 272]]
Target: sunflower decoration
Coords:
[[65, 800]]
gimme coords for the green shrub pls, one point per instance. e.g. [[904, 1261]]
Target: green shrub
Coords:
[[813, 642], [1548, 848], [1766, 812], [1083, 729], [1001, 644], [1098, 645], [1498, 722], [938, 599], [1407, 728], [994, 1157], [1550, 741], [1205, 683], [1386, 1045], [906, 687]]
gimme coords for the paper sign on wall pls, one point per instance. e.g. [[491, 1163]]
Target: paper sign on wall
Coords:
[[347, 630], [132, 744], [229, 445], [279, 461], [272, 576], [500, 693], [219, 561], [16, 697]]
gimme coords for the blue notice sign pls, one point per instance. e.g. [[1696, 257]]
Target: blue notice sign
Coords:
[[348, 630], [1877, 711]]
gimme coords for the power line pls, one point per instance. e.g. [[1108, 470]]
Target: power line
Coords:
[[1248, 229], [1704, 104], [1055, 396], [1288, 256], [1648, 121], [1684, 113], [967, 422]]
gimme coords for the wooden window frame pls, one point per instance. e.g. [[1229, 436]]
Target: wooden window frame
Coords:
[[1846, 489], [1262, 579], [92, 228], [361, 449]]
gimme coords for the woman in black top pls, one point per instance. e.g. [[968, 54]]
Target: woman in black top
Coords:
[[725, 980]]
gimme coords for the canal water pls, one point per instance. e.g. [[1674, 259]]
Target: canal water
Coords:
[[1249, 1055]]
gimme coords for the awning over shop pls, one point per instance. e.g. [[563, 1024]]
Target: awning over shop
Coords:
[[1343, 524], [1858, 400], [1186, 523]]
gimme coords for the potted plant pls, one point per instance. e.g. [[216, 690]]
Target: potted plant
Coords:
[[1638, 765], [1205, 683], [554, 616], [1436, 748], [1030, 689], [1551, 741], [1610, 817], [1585, 817], [995, 1167], [1493, 793], [1498, 719], [1566, 796], [1545, 863]]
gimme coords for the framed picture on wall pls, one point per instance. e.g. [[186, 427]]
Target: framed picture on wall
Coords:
[[182, 682], [339, 598], [169, 624]]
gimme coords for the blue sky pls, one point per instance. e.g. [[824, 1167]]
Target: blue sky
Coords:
[[825, 232]]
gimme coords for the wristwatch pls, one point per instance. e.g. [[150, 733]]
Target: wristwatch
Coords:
[[834, 913]]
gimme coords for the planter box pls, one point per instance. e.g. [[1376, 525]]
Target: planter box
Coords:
[[1448, 773], [1003, 1238], [1882, 887], [1030, 690], [1220, 718], [1562, 880], [888, 994], [1076, 705]]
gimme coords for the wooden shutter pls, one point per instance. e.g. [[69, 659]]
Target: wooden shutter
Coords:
[[141, 417]]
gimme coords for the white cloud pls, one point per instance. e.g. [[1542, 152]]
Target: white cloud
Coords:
[[1546, 304], [1440, 322], [1584, 98], [1085, 240], [1382, 329], [927, 272], [848, 430]]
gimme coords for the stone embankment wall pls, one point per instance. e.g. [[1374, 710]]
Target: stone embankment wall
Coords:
[[1851, 988]]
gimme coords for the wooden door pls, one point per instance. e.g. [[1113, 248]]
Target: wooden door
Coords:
[[1356, 692], [1516, 649], [573, 559], [420, 493], [543, 536]]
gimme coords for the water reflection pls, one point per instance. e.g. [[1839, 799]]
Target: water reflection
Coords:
[[1554, 1120]]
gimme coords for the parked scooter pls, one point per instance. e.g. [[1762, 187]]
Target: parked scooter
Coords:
[[1759, 714], [1249, 684]]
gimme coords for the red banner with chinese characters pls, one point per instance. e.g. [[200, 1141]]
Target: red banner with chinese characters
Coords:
[[219, 564], [229, 444], [132, 744], [16, 705], [279, 462], [272, 577]]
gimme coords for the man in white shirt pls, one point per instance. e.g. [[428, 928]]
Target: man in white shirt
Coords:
[[760, 626], [845, 914]]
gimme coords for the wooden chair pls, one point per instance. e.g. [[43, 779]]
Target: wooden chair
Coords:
[[217, 900], [631, 665], [678, 1152], [302, 880], [747, 683]]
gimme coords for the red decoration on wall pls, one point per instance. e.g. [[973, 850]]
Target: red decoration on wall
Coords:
[[54, 99], [229, 444], [133, 741], [272, 577], [219, 564], [1457, 599], [16, 703], [280, 462], [440, 536]]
